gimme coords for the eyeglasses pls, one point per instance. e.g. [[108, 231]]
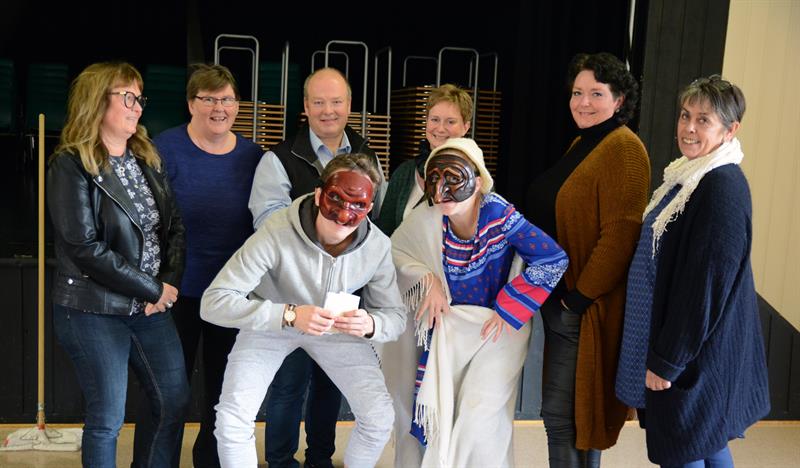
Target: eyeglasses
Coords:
[[209, 101], [130, 99]]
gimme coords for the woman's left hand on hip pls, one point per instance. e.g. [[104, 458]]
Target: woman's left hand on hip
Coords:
[[494, 326], [656, 383]]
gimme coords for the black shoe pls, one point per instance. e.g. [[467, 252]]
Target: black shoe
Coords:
[[290, 463], [318, 464]]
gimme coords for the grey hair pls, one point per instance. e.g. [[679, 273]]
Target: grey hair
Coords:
[[724, 97]]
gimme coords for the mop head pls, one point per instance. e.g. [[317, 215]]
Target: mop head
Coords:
[[47, 439]]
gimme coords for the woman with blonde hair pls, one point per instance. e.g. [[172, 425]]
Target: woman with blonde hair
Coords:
[[448, 115], [119, 251]]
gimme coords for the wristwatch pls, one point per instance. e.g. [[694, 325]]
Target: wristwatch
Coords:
[[289, 315]]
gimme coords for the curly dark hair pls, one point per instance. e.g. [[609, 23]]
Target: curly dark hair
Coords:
[[610, 70]]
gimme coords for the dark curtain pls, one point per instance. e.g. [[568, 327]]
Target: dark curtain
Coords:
[[538, 123]]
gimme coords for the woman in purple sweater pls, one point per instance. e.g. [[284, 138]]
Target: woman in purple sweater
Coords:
[[211, 170]]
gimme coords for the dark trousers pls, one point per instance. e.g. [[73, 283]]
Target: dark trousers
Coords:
[[217, 344], [561, 332], [284, 411]]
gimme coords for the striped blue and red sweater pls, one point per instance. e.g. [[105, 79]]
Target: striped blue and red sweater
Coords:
[[477, 270]]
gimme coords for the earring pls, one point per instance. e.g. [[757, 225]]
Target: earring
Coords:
[[616, 111]]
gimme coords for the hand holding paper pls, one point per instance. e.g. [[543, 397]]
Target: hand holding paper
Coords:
[[313, 320], [338, 303], [355, 322], [348, 318]]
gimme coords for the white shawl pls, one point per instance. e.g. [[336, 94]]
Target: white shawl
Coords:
[[687, 173], [417, 251]]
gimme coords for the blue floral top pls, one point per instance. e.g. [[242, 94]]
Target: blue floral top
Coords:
[[132, 179]]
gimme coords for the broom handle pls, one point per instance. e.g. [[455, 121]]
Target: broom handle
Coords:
[[40, 288]]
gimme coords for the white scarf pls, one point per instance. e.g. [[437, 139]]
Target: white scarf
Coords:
[[687, 173], [417, 251]]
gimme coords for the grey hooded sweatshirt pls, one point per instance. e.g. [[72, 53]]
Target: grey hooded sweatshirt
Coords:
[[282, 262]]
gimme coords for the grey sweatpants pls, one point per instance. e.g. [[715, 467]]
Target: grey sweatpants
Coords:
[[349, 361]]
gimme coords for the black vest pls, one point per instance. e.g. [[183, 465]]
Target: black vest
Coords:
[[301, 162]]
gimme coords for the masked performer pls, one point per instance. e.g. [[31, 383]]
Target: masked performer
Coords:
[[472, 308], [273, 290]]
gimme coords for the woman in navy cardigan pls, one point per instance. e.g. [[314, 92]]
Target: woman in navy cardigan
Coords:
[[692, 354]]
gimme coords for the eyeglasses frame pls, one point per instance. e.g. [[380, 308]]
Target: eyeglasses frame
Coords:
[[141, 99]]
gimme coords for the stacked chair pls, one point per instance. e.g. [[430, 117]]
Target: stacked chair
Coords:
[[408, 122], [269, 123], [269, 113], [487, 126], [269, 88], [262, 119], [378, 134], [408, 115]]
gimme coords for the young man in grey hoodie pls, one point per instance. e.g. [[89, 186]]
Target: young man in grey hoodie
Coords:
[[273, 290]]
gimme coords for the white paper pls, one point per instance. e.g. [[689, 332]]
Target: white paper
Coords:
[[340, 302]]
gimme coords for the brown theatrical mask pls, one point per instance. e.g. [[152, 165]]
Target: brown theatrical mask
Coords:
[[346, 198], [449, 178]]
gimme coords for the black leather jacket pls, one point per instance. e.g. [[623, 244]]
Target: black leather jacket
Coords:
[[98, 244]]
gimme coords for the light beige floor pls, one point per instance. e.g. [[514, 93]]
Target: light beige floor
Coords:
[[768, 444]]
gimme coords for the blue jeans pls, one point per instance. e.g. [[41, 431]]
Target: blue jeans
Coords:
[[101, 347], [721, 459], [284, 409]]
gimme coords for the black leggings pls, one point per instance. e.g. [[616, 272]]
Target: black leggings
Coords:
[[561, 331]]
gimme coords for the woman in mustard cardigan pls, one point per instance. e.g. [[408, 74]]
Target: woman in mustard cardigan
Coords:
[[591, 201]]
